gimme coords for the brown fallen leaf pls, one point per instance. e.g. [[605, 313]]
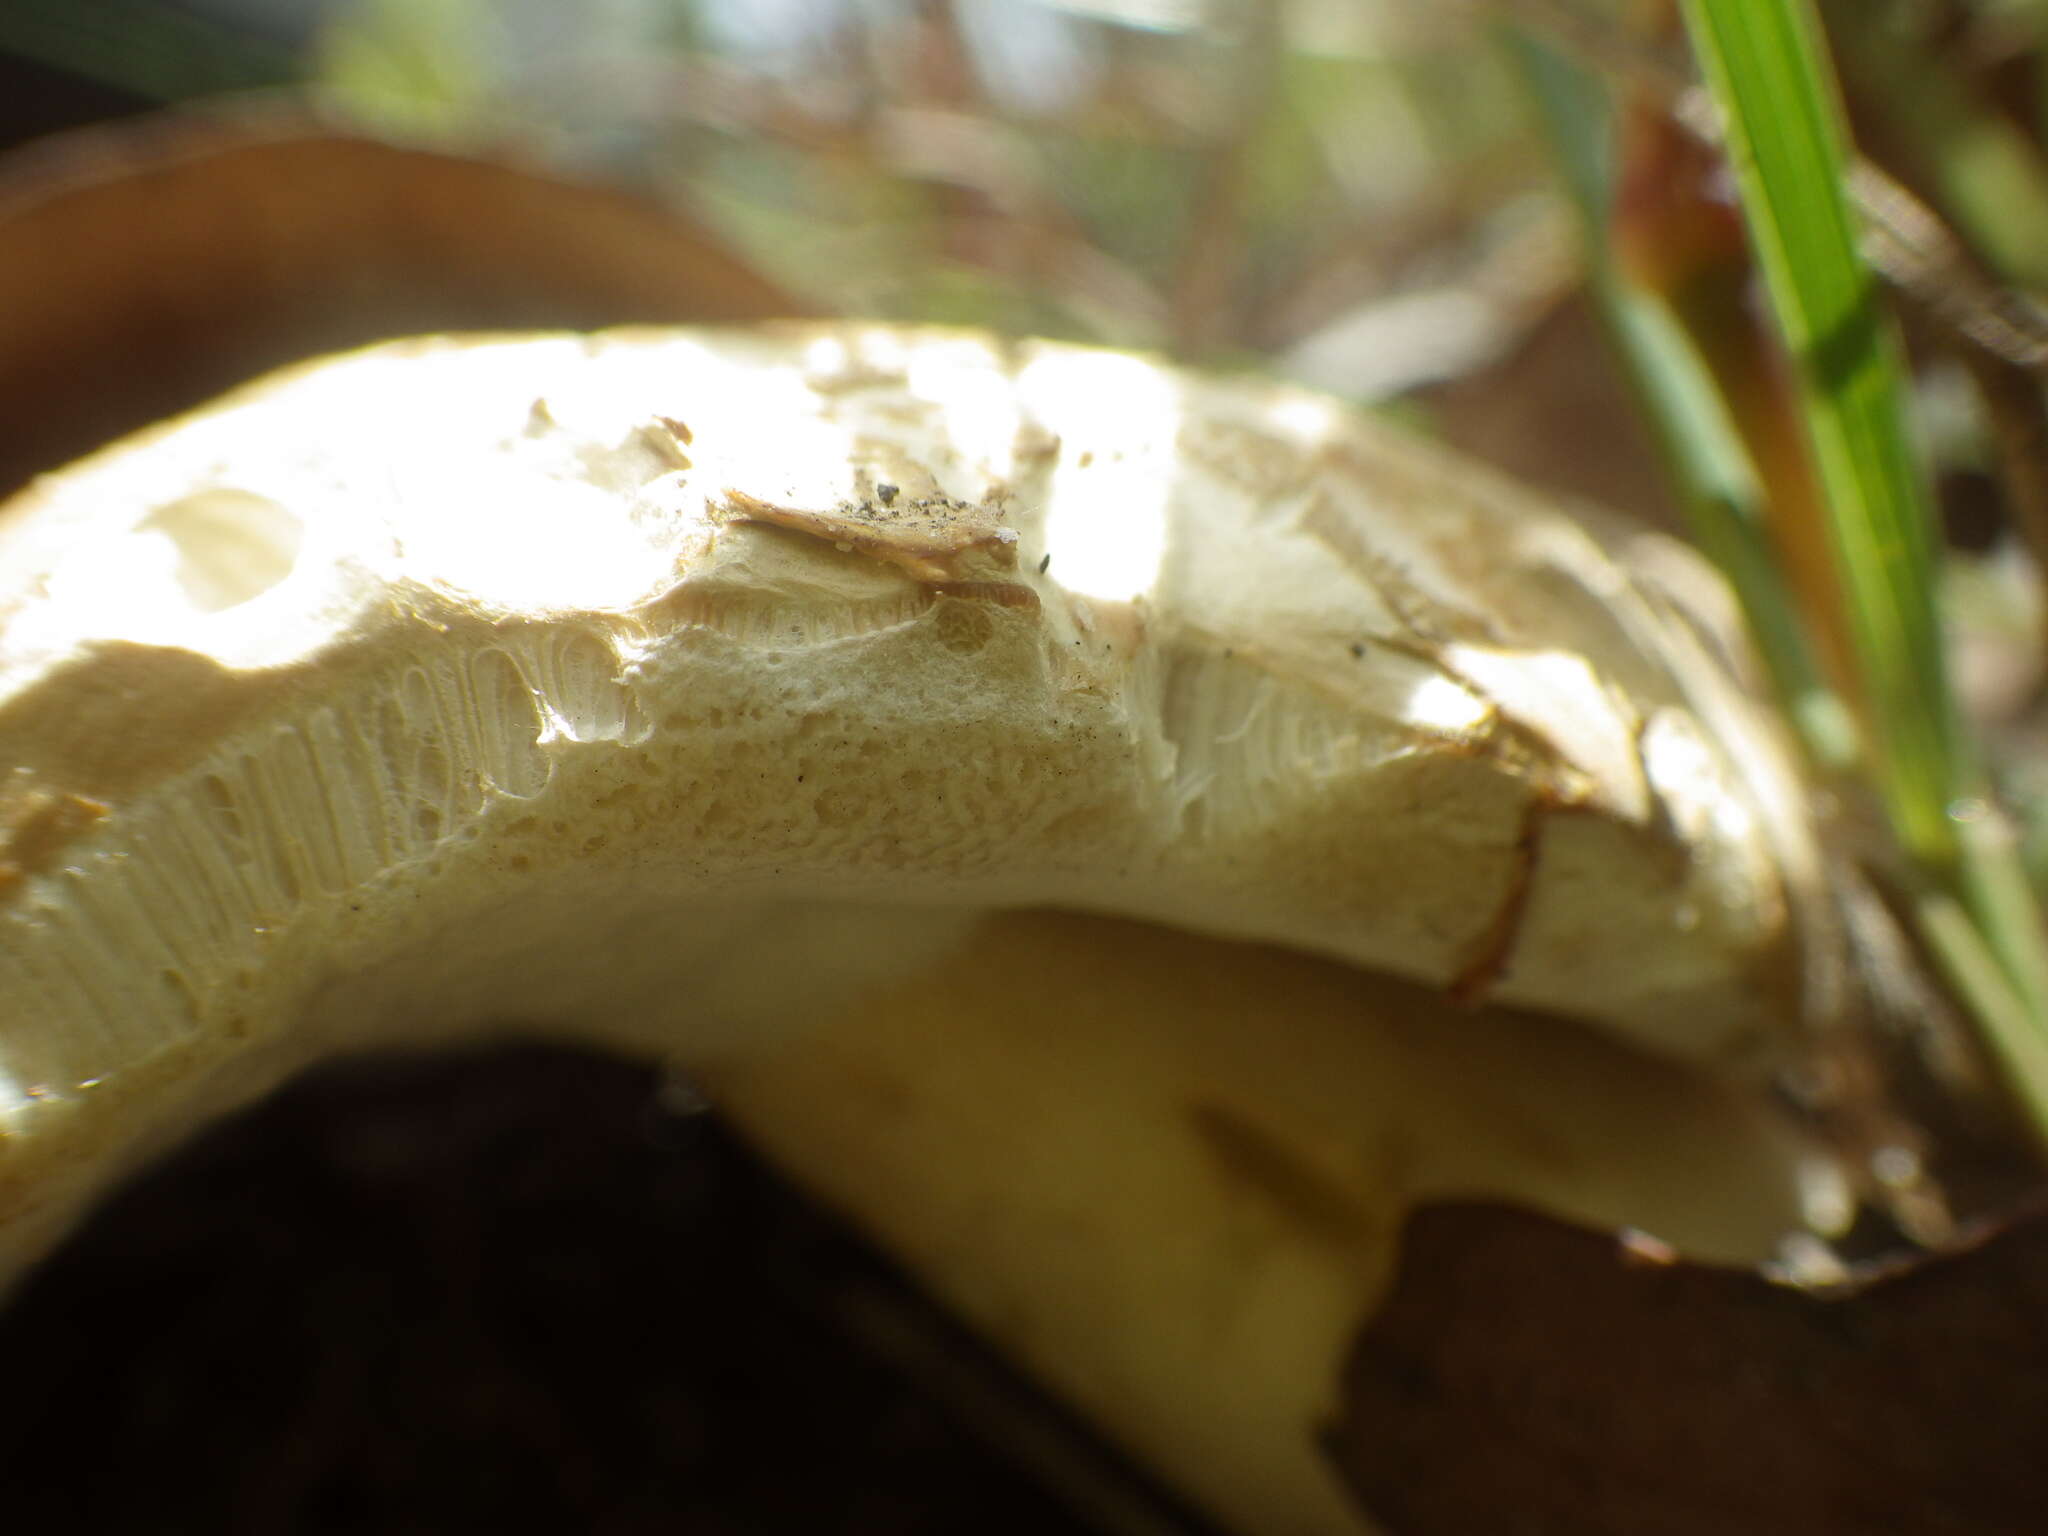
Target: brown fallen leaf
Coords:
[[1531, 1377], [146, 266]]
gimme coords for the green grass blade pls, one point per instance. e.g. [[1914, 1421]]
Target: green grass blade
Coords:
[[1711, 469], [1785, 139], [1785, 136]]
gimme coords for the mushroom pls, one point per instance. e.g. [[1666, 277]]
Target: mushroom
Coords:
[[1105, 826]]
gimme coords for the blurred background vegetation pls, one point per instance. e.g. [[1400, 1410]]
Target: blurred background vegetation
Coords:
[[1212, 175]]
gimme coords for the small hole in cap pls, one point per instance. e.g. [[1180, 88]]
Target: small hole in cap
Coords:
[[232, 545]]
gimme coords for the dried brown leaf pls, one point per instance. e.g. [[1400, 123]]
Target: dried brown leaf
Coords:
[[1529, 1376], [147, 266]]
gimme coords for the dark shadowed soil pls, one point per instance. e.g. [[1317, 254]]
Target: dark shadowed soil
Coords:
[[503, 1294]]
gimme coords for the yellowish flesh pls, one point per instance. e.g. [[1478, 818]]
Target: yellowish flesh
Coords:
[[1168, 1173]]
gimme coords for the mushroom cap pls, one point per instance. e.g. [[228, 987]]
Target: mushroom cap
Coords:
[[514, 678], [678, 688], [876, 614]]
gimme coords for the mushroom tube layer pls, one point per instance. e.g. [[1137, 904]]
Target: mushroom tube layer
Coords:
[[676, 688]]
